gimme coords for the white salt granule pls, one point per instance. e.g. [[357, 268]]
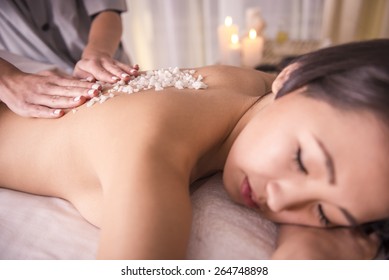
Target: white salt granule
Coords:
[[152, 79], [159, 79]]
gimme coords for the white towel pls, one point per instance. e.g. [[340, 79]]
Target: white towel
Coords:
[[223, 229]]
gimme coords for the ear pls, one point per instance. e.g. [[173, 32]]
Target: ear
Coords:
[[283, 77]]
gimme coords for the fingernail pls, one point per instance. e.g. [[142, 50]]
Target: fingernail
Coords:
[[136, 66], [97, 86], [133, 71], [92, 92], [77, 98], [125, 75], [115, 78], [57, 112], [90, 79]]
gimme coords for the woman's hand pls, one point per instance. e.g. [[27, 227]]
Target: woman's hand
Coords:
[[299, 242], [43, 95], [96, 65]]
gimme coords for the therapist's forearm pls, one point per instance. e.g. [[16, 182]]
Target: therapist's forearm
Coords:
[[8, 77], [105, 34]]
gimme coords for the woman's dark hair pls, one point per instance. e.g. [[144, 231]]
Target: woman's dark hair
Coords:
[[349, 76], [354, 76]]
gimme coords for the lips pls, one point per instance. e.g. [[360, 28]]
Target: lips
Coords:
[[247, 194]]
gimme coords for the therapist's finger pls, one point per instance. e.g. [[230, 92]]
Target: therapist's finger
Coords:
[[59, 102], [105, 69], [95, 68], [117, 71], [75, 83], [51, 84], [67, 88], [131, 70], [38, 111], [81, 74], [120, 70], [73, 92]]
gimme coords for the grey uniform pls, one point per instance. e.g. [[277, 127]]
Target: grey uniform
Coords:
[[52, 31]]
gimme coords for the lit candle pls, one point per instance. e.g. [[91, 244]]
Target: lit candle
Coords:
[[225, 32], [254, 20], [252, 49], [234, 51]]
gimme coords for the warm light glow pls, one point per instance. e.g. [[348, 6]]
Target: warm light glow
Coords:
[[228, 21], [252, 34], [234, 39]]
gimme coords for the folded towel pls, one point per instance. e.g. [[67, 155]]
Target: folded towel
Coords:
[[223, 229]]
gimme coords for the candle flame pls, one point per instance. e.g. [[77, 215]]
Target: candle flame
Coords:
[[234, 39], [252, 34], [228, 21]]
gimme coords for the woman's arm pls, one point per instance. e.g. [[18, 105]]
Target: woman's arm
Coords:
[[144, 169], [146, 208], [299, 242]]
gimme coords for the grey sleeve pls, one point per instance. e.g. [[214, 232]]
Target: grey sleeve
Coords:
[[94, 7], [25, 64]]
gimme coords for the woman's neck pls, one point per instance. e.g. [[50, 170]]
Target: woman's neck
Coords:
[[214, 160], [255, 109]]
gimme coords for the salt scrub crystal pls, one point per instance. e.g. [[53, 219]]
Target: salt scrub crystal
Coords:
[[153, 79], [159, 79]]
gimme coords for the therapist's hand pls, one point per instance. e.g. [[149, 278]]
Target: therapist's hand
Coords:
[[97, 62], [44, 95], [96, 65]]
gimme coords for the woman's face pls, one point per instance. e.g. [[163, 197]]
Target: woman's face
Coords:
[[301, 161]]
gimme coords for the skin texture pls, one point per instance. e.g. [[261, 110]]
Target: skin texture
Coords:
[[48, 94], [126, 164]]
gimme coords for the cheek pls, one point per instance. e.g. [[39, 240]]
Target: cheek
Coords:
[[260, 154], [242, 155], [261, 149]]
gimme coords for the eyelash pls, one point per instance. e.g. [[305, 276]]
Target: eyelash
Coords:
[[299, 161], [323, 219]]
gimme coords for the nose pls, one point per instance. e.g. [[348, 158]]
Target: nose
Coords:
[[286, 195]]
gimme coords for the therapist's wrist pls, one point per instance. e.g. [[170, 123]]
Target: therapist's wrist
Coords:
[[92, 53]]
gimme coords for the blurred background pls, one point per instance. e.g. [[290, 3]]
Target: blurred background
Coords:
[[186, 33]]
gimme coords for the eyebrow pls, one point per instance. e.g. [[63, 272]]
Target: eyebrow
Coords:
[[329, 162]]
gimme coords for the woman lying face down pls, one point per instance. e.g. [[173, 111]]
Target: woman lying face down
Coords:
[[313, 155]]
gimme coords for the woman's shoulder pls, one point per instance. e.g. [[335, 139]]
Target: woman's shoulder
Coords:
[[247, 81]]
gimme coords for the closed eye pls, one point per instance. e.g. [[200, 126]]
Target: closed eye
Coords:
[[322, 216], [299, 161]]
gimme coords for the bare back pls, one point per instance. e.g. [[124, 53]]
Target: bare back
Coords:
[[77, 156]]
